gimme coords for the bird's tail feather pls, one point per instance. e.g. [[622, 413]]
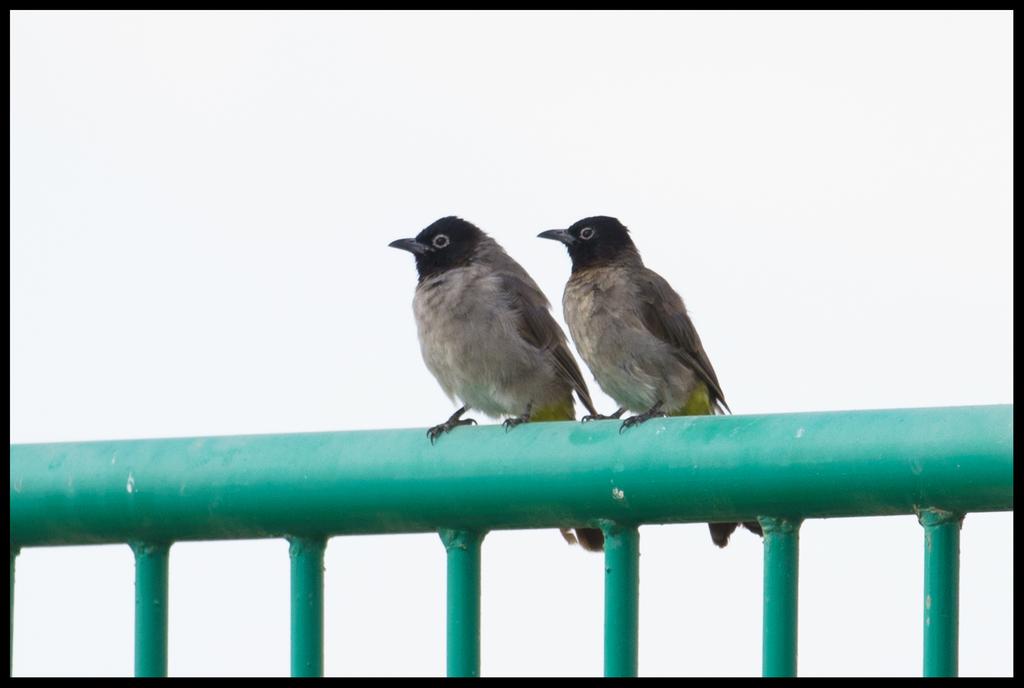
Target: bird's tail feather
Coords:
[[700, 403], [590, 539], [720, 532]]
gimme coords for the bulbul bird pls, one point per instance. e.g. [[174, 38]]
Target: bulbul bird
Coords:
[[633, 331], [486, 333]]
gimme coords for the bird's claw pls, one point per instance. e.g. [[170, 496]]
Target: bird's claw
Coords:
[[628, 423], [518, 420], [655, 412], [601, 416], [438, 430], [514, 421], [435, 432]]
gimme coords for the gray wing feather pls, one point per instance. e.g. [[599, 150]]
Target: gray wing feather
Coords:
[[539, 328], [664, 314]]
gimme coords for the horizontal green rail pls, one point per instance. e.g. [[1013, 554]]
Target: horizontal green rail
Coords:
[[669, 470], [938, 463]]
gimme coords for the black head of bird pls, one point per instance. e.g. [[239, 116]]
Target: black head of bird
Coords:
[[595, 241], [445, 244]]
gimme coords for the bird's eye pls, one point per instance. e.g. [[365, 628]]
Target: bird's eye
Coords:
[[586, 233], [441, 240]]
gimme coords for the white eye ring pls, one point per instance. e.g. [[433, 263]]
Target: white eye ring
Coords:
[[441, 240], [586, 233]]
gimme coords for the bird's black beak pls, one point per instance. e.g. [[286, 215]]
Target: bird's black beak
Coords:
[[558, 235], [410, 245]]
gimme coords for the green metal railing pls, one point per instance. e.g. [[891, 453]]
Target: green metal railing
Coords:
[[938, 463]]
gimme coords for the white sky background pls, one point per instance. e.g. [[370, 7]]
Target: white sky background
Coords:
[[200, 211]]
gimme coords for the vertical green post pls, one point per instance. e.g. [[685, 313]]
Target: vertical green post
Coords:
[[307, 557], [151, 608], [10, 666], [463, 548], [621, 599], [781, 578], [941, 591]]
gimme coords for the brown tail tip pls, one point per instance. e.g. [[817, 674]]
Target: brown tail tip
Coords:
[[720, 532], [590, 539]]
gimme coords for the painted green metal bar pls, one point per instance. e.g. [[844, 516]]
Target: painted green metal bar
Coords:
[[542, 475], [941, 591], [781, 585], [463, 601], [621, 599], [10, 669], [151, 608], [307, 591]]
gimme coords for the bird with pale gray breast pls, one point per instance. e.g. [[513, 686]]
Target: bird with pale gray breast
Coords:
[[487, 335], [633, 330]]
